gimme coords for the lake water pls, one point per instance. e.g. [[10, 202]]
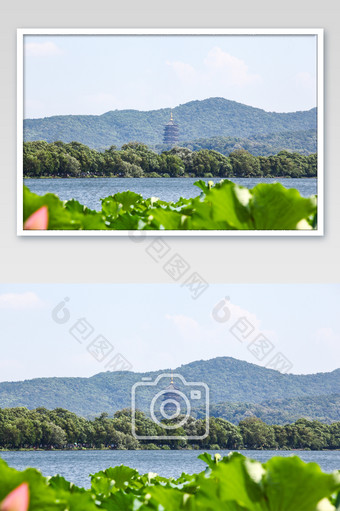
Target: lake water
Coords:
[[89, 191], [76, 466]]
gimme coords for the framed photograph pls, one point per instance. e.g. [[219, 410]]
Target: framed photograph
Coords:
[[170, 131]]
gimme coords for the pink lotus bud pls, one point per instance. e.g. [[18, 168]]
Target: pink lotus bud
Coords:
[[17, 500], [38, 220]]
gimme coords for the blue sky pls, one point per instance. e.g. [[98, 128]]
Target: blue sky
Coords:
[[159, 326], [95, 74]]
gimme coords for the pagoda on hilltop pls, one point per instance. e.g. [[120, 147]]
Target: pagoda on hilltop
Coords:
[[171, 401], [171, 131]]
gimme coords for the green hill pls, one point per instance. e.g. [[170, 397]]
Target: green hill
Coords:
[[229, 380], [213, 117]]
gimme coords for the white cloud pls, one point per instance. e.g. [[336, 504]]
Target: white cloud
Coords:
[[236, 71], [9, 364], [45, 49], [229, 333], [34, 108], [188, 327], [237, 312], [219, 67], [9, 367], [184, 71], [240, 324], [102, 102], [326, 335], [305, 81], [21, 301], [101, 97]]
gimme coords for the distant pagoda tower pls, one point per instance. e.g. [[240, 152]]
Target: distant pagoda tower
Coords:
[[171, 400], [171, 131]]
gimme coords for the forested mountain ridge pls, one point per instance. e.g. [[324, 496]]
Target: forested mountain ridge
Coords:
[[111, 391], [212, 117]]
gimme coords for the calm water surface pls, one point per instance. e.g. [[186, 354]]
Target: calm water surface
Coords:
[[89, 191], [77, 465]]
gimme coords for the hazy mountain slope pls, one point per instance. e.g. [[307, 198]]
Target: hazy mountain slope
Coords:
[[228, 379], [303, 142], [197, 119]]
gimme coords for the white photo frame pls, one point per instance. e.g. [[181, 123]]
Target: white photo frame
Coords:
[[319, 231]]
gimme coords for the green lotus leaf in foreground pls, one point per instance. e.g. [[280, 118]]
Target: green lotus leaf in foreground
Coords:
[[224, 206], [233, 483]]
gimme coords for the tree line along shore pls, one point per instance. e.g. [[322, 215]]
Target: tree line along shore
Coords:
[[61, 160], [21, 428]]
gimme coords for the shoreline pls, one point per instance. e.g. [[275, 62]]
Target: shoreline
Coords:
[[160, 449], [161, 177]]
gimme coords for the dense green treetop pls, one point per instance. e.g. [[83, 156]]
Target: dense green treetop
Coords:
[[324, 408], [43, 159], [59, 428]]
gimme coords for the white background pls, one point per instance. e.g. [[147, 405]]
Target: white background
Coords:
[[65, 259]]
